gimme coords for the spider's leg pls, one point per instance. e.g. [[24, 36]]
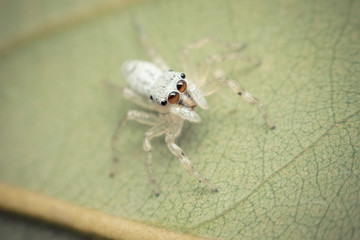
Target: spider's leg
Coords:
[[231, 56], [178, 152], [189, 48], [170, 137], [218, 80], [141, 117], [153, 55], [235, 86], [155, 131], [234, 47], [233, 53]]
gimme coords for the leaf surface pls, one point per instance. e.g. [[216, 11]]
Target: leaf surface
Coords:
[[298, 181]]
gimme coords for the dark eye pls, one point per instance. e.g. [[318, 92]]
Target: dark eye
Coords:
[[163, 102], [173, 97], [181, 86], [151, 97], [182, 75]]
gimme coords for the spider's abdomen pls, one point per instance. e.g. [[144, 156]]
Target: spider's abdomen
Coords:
[[141, 75]]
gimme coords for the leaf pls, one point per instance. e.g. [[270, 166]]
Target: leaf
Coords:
[[298, 181]]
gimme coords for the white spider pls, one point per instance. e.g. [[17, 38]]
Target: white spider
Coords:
[[174, 97]]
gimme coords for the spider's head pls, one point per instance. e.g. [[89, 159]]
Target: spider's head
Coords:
[[176, 94]]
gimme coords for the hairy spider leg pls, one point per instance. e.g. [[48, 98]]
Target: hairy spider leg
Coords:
[[139, 116], [151, 52], [170, 137], [155, 131], [218, 75]]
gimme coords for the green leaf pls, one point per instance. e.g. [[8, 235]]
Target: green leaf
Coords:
[[298, 181]]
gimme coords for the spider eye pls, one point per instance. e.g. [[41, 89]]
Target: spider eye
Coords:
[[173, 97], [181, 86], [182, 75], [163, 102]]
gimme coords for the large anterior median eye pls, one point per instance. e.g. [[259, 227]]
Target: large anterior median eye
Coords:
[[181, 86], [173, 97]]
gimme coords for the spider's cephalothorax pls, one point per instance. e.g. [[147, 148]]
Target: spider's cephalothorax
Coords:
[[170, 91], [177, 92], [174, 97]]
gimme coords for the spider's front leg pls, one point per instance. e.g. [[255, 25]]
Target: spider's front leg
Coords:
[[170, 137], [155, 131], [218, 77]]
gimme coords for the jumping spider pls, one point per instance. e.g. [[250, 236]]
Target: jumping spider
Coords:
[[174, 97]]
